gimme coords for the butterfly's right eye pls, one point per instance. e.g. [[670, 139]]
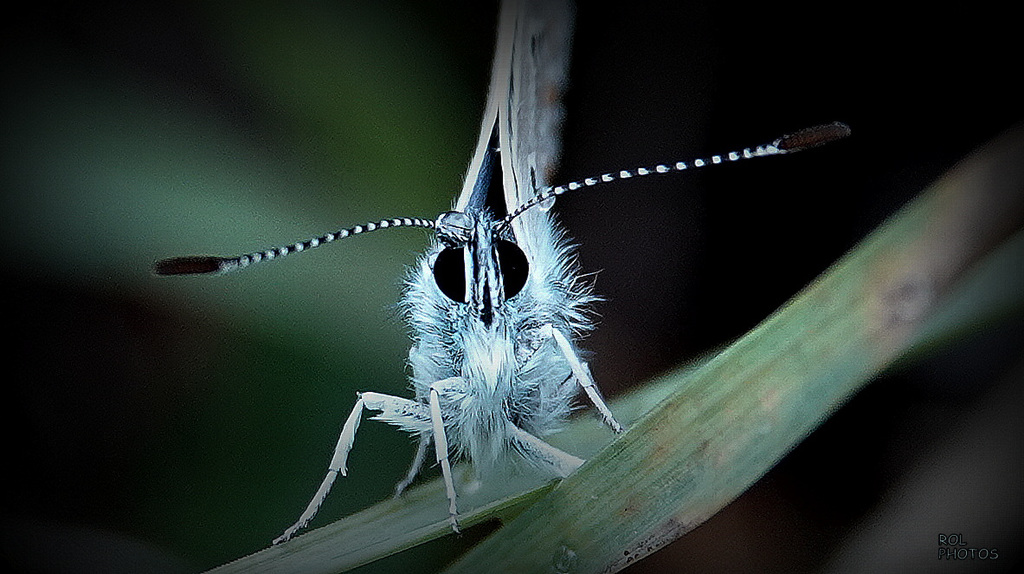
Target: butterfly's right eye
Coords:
[[450, 273]]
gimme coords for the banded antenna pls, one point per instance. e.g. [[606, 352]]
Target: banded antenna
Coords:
[[790, 143], [196, 264]]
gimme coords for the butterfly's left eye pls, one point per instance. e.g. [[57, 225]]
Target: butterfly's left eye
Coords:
[[514, 267], [450, 273]]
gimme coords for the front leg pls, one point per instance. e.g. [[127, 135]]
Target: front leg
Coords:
[[410, 415], [441, 448], [582, 373]]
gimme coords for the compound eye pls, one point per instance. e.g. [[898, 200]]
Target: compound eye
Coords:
[[450, 273], [514, 267]]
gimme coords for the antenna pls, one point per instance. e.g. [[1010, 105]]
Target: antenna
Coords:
[[790, 143], [196, 264]]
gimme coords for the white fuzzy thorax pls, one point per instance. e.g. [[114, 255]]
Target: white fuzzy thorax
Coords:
[[512, 374]]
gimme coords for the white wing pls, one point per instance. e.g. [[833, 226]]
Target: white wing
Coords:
[[524, 102]]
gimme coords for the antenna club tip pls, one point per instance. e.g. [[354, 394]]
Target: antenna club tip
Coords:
[[189, 265], [812, 137]]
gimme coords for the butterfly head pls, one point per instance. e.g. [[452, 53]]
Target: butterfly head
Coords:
[[477, 266]]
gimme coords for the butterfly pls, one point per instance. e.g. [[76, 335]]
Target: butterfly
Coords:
[[497, 303]]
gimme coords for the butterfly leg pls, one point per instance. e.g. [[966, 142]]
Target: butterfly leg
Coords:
[[536, 450], [408, 414], [582, 373], [441, 448], [414, 469]]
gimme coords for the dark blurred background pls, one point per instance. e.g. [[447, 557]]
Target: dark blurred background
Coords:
[[175, 424]]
